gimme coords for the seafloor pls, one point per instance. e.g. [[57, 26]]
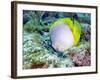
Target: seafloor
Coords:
[[37, 48]]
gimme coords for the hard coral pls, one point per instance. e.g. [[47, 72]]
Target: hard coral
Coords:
[[39, 65], [81, 59]]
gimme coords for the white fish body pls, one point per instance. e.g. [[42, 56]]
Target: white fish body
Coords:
[[61, 37]]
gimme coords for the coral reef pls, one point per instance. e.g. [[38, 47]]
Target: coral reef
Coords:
[[81, 57], [37, 47]]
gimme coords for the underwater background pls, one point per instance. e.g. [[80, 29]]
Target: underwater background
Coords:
[[37, 46]]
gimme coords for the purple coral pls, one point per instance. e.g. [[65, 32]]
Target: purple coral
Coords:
[[81, 59]]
